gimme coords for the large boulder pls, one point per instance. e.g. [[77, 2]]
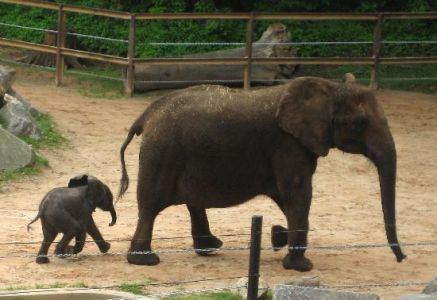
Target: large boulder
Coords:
[[285, 292], [419, 297], [13, 95], [17, 118], [271, 44], [431, 287], [14, 153], [7, 77]]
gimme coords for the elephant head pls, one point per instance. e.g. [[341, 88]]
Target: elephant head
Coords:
[[98, 194], [323, 114]]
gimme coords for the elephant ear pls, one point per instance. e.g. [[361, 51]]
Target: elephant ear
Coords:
[[306, 112], [78, 181], [96, 192]]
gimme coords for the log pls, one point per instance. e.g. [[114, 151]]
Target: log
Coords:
[[152, 77], [49, 60]]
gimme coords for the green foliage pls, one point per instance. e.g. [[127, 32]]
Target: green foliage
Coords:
[[40, 162], [229, 30]]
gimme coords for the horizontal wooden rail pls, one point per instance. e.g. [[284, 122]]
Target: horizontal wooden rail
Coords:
[[28, 46], [408, 60], [37, 4], [193, 16], [95, 56], [72, 8], [64, 51], [193, 61]]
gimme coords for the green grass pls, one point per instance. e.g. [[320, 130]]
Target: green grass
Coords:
[[133, 288], [50, 136], [38, 165], [92, 86]]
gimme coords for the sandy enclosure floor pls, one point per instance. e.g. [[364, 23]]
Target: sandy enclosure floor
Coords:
[[346, 206]]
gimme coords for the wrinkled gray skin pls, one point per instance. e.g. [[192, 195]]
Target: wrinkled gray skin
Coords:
[[211, 146], [68, 210]]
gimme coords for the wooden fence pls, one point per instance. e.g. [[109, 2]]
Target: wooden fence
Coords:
[[129, 62]]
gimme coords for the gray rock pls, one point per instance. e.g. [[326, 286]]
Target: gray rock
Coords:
[[263, 288], [7, 77], [18, 120], [14, 153], [431, 287], [14, 95], [286, 292], [419, 297]]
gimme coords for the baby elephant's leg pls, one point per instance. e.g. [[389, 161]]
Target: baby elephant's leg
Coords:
[[49, 237], [71, 228], [78, 246], [97, 236]]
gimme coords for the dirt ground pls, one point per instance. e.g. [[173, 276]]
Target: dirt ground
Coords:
[[346, 206]]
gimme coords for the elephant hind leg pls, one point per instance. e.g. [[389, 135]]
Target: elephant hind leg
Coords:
[[158, 172], [204, 242], [49, 237], [80, 243], [140, 252]]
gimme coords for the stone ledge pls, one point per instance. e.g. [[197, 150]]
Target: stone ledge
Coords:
[[70, 294]]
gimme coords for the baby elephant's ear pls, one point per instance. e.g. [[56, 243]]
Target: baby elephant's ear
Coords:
[[78, 181]]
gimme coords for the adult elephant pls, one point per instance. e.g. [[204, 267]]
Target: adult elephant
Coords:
[[211, 146]]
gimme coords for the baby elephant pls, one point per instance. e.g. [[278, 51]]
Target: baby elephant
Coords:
[[69, 210]]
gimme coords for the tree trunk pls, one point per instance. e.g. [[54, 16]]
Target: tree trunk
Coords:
[[49, 60], [153, 77]]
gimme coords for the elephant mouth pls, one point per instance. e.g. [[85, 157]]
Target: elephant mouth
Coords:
[[353, 146]]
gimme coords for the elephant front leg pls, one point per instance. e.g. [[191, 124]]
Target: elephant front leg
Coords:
[[297, 210], [140, 252], [297, 244], [204, 241], [94, 232]]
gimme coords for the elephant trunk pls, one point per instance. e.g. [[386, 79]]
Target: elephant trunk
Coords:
[[113, 215], [385, 161]]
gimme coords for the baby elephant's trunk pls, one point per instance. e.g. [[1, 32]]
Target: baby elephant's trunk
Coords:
[[113, 215]]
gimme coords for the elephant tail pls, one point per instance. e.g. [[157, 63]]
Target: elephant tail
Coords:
[[33, 221], [136, 129]]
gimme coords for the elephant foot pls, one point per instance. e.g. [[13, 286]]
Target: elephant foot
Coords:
[[206, 245], [149, 259], [297, 262], [42, 259], [279, 237], [104, 247], [69, 250]]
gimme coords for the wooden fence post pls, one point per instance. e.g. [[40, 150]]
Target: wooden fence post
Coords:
[[374, 77], [248, 65], [60, 43], [130, 76]]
